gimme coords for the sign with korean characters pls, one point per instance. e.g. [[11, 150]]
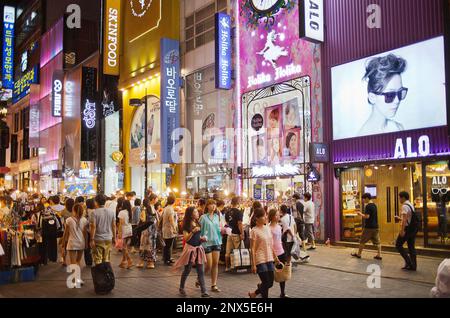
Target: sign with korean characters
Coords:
[[170, 96], [22, 86], [9, 18]]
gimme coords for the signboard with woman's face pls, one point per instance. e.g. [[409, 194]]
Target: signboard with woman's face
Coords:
[[395, 91]]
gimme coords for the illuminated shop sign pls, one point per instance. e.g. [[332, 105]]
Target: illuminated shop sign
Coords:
[[286, 170], [311, 20], [257, 191], [313, 175], [270, 48], [22, 86], [414, 144], [57, 93], [170, 96], [404, 148], [270, 192], [9, 18], [319, 153], [112, 37], [223, 51], [89, 114]]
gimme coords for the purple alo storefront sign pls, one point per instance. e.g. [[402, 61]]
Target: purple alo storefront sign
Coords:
[[412, 144]]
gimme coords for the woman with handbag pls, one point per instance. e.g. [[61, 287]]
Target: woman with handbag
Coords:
[[283, 275], [149, 235], [263, 254], [125, 233]]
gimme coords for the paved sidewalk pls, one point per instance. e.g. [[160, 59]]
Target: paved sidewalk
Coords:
[[331, 273]]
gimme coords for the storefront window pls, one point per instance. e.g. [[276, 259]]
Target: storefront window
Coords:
[[438, 213], [112, 144], [351, 204]]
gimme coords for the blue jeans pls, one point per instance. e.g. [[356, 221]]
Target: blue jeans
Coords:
[[200, 274]]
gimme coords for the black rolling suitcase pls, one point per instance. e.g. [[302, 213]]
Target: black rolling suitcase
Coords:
[[103, 277]]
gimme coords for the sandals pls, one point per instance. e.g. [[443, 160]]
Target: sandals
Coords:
[[140, 266], [215, 289], [356, 255], [251, 295]]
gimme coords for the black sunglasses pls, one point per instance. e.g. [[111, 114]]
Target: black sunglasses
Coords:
[[390, 97]]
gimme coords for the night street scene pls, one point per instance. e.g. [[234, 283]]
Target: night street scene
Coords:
[[225, 156]]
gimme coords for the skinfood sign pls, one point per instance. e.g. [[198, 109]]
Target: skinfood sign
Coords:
[[112, 37]]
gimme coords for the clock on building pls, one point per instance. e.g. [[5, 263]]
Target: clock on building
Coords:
[[266, 6], [257, 11]]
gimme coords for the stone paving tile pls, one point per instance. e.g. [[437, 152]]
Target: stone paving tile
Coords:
[[331, 273]]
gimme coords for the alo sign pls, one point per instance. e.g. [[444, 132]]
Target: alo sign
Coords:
[[57, 92], [311, 20], [404, 148], [112, 37]]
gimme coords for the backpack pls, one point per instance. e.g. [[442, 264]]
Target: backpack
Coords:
[[414, 225]]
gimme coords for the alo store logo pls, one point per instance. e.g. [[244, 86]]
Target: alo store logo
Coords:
[[404, 148]]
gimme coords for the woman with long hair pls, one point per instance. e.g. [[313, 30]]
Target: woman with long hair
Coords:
[[210, 224], [147, 250], [169, 230], [75, 235], [125, 233], [275, 228], [263, 255], [193, 252]]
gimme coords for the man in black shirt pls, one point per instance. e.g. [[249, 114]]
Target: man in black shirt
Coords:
[[371, 231], [235, 217]]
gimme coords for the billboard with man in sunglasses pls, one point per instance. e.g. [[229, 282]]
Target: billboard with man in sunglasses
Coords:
[[395, 91]]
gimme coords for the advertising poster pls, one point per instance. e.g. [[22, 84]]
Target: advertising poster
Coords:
[[137, 135], [270, 192], [391, 92], [257, 191], [283, 118]]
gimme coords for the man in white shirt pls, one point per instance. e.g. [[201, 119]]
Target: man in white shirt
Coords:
[[309, 218], [287, 223], [408, 232]]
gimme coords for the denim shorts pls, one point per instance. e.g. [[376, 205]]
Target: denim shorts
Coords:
[[265, 267], [212, 248]]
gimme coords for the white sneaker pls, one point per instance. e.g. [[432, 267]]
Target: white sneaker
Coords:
[[80, 281]]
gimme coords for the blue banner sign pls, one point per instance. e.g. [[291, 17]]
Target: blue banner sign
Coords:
[[170, 96], [9, 18], [22, 86], [223, 51]]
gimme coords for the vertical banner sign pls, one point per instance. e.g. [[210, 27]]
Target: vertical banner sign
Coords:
[[57, 93], [223, 51], [257, 191], [9, 18], [270, 192], [89, 114], [170, 96], [111, 97], [311, 20], [111, 38], [34, 116]]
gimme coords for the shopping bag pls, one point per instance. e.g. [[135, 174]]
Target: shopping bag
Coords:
[[284, 274], [240, 258], [296, 248]]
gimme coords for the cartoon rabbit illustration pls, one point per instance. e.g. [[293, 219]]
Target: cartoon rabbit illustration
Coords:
[[272, 52]]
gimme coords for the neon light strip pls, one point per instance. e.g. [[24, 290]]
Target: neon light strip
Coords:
[[157, 25], [238, 94]]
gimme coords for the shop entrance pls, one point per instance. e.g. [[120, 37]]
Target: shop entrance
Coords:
[[384, 183], [428, 184]]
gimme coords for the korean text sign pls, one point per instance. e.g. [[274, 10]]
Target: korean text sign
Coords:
[[170, 96]]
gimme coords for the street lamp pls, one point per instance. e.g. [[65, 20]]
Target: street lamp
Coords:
[[138, 103]]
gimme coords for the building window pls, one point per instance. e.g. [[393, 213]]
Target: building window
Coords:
[[25, 118], [199, 29]]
